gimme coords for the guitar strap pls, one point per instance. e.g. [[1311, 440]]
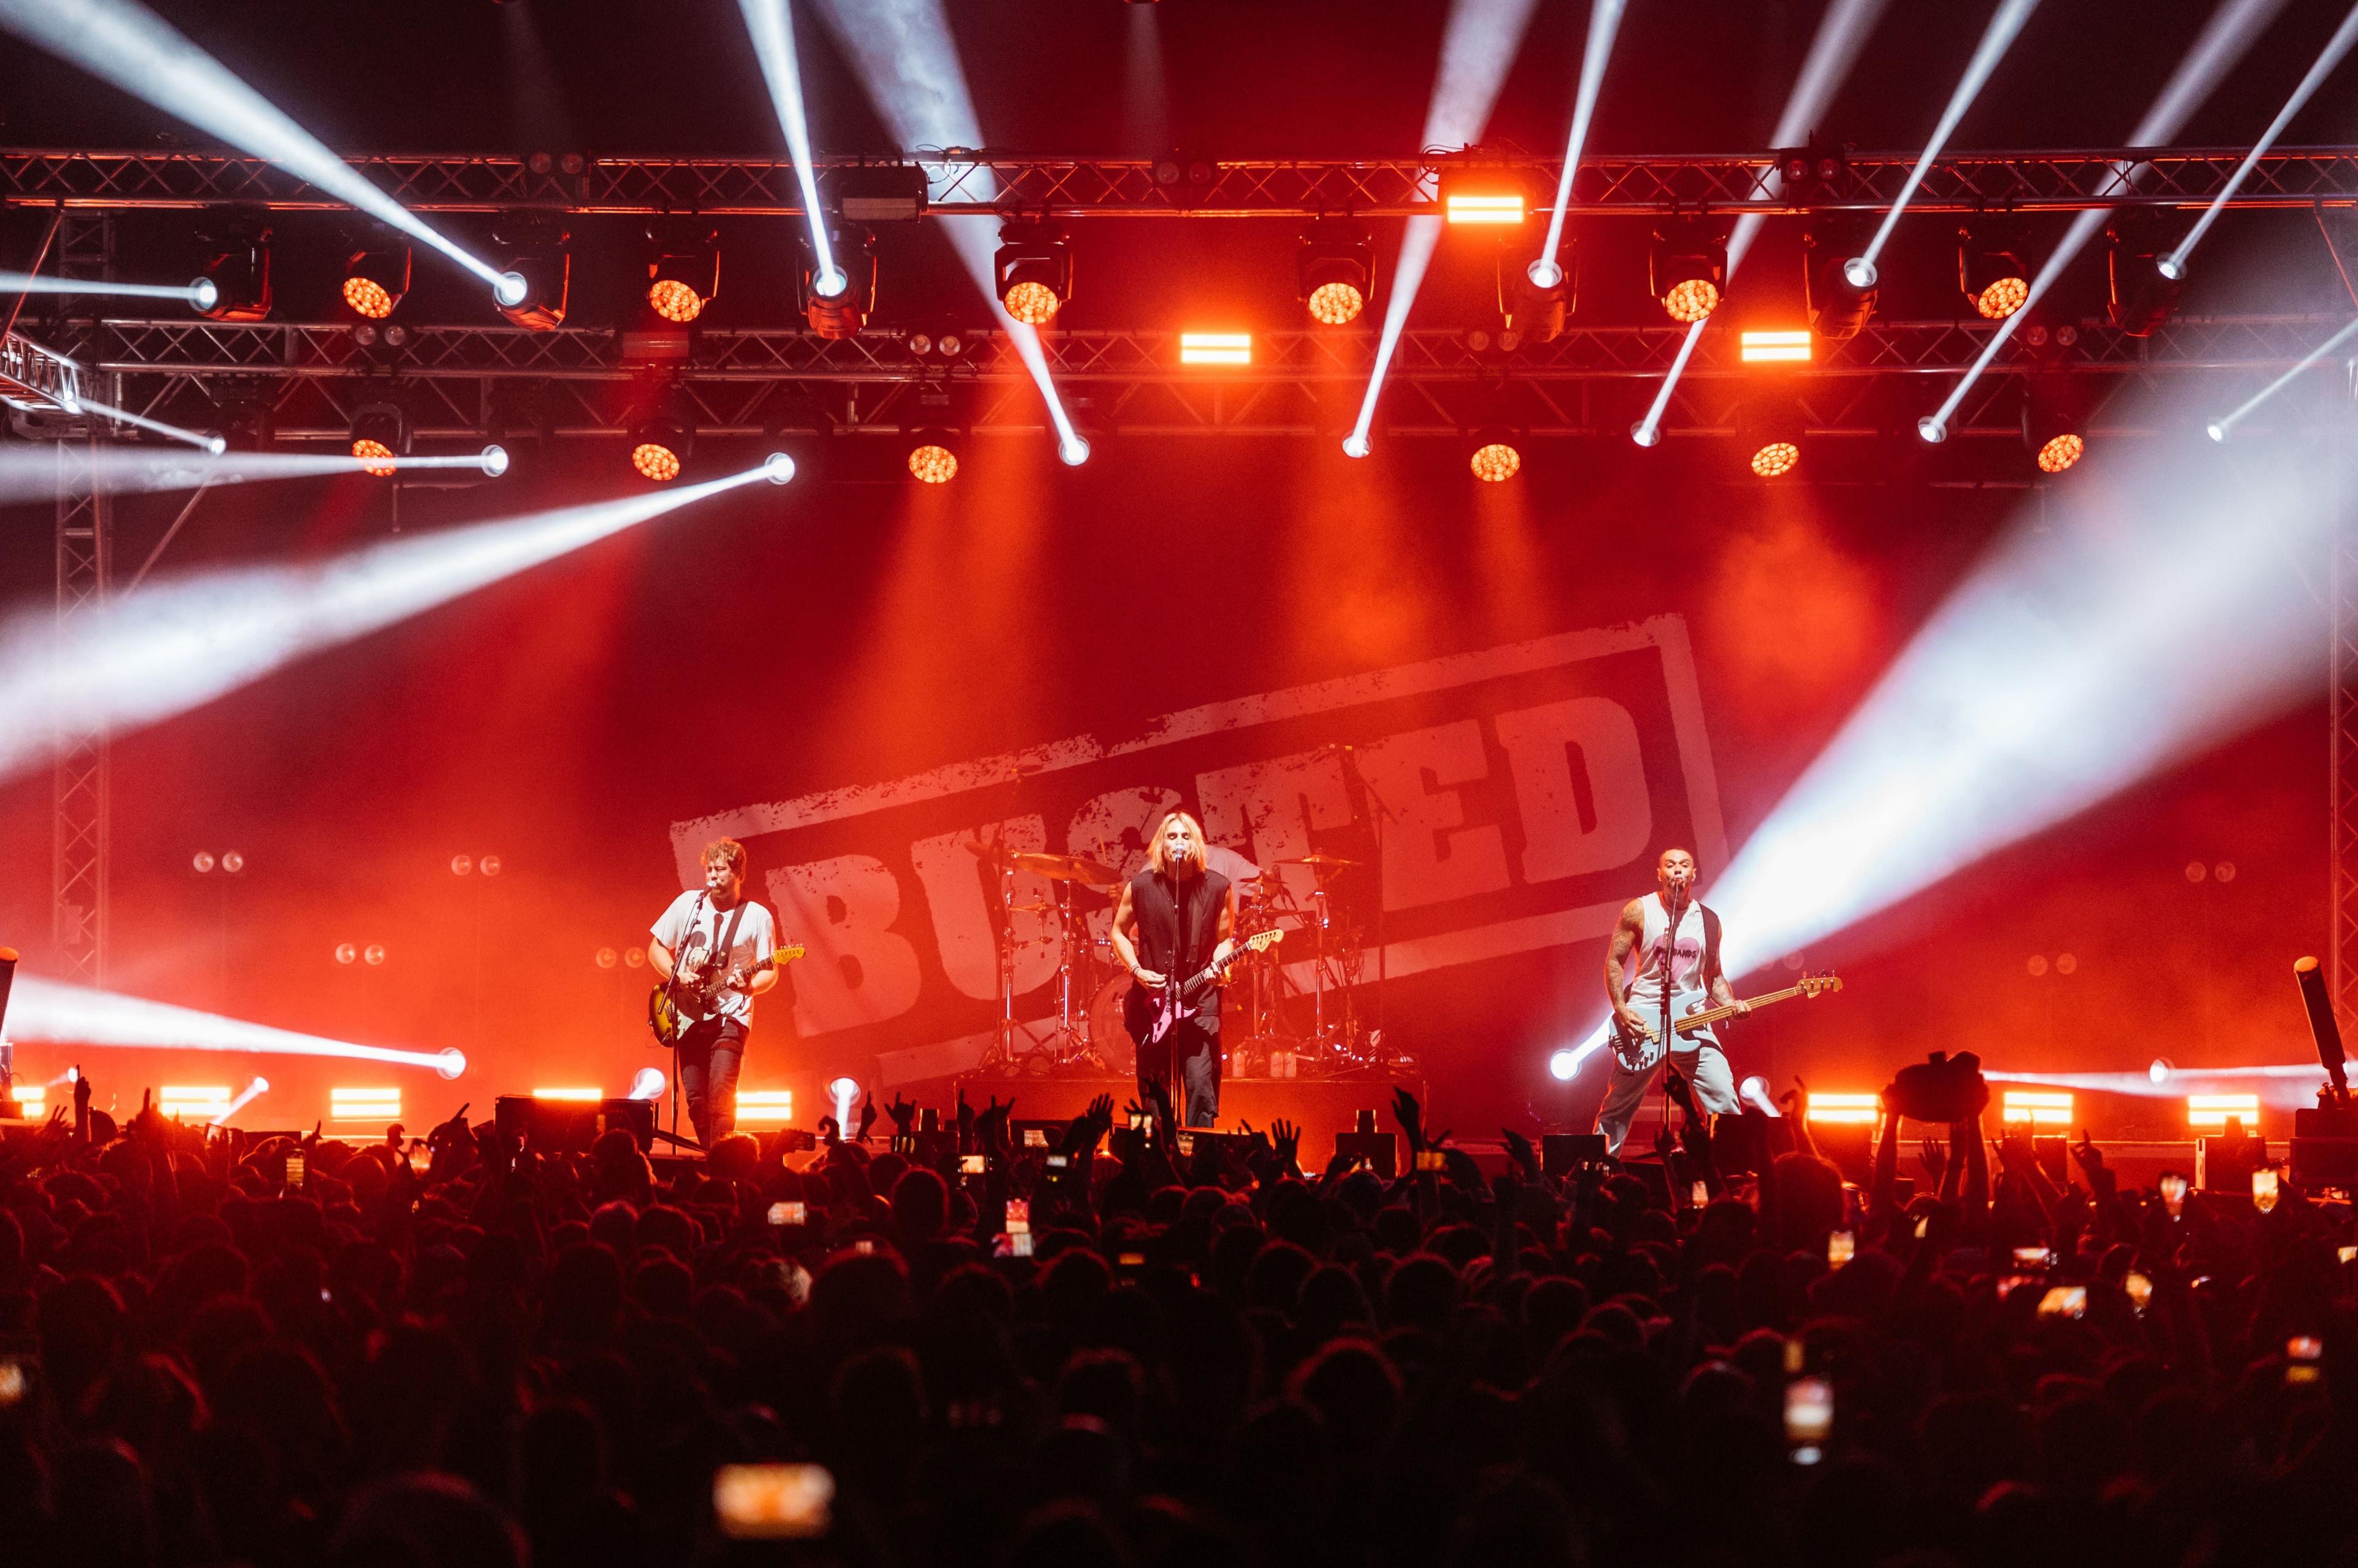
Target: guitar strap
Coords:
[[1710, 944], [725, 941]]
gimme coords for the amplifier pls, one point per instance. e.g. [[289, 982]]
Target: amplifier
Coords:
[[572, 1126]]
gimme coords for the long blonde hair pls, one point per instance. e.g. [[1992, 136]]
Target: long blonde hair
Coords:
[[1156, 857]]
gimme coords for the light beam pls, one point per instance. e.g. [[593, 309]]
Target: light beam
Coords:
[[1479, 45], [130, 46], [2233, 27], [772, 23], [1604, 23], [1842, 32], [2219, 429], [2173, 266], [30, 472], [200, 294], [52, 1012], [179, 645], [2004, 25]]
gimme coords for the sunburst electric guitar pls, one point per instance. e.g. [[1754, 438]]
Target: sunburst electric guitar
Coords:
[[1694, 1014], [675, 1006]]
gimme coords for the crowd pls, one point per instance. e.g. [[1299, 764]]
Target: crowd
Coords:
[[1114, 1350]]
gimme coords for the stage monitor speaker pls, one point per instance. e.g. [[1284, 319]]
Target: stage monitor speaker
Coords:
[[2225, 1165], [1561, 1153], [1380, 1149], [561, 1126]]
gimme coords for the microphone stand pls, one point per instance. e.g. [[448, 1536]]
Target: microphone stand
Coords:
[[1375, 819], [1676, 904]]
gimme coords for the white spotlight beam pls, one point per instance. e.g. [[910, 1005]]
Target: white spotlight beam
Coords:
[[256, 1087], [179, 645], [772, 25], [908, 61], [128, 45], [53, 1012], [2335, 47], [2233, 27], [33, 282], [30, 472], [2004, 25], [1603, 24], [1478, 46], [2072, 663], [2219, 429], [1842, 32], [212, 445]]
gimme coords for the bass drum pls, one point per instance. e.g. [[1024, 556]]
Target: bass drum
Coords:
[[1108, 1036]]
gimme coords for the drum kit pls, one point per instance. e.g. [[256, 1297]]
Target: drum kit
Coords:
[[1279, 1018]]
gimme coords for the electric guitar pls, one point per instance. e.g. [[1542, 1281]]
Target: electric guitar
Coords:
[[675, 1006], [1150, 1015], [1694, 1014]]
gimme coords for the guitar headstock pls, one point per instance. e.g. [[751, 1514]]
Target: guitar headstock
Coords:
[[1818, 985], [1262, 941], [788, 954]]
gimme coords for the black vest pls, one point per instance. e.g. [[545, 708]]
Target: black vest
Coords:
[[1176, 941]]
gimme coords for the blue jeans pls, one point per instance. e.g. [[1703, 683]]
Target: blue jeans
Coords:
[[708, 1055]]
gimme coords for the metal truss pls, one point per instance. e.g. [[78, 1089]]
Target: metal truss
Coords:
[[2341, 788], [987, 182], [471, 383], [83, 788]]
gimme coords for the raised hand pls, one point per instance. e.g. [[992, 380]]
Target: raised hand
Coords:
[[867, 1116], [1518, 1150], [903, 1112], [964, 1121], [1934, 1160], [1289, 1142], [1411, 1116]]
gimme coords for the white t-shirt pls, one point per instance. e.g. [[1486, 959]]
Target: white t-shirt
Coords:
[[691, 928]]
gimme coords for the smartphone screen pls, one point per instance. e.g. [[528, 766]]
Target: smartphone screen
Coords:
[[2263, 1190], [2033, 1257], [2064, 1300], [294, 1170], [1431, 1160], [2302, 1353], [2173, 1190], [1841, 1248], [2140, 1291], [1035, 1138], [972, 1164], [1809, 1418], [773, 1502], [1058, 1161], [1699, 1194], [1019, 1214], [789, 1213]]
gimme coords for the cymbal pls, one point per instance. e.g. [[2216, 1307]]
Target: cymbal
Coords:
[[981, 850], [1069, 868], [1320, 862]]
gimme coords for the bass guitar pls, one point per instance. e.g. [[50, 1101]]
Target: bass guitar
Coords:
[[1694, 1013], [675, 1006], [1150, 1015]]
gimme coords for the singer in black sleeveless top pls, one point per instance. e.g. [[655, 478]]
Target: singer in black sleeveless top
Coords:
[[1176, 919]]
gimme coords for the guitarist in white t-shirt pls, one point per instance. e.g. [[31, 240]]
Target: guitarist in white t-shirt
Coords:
[[1651, 945], [713, 947]]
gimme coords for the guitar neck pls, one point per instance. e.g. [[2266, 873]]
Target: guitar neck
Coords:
[[1712, 1015]]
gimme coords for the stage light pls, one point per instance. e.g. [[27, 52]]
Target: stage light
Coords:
[[660, 443], [2052, 426], [1845, 1110], [376, 279], [76, 1015], [1563, 1064], [2036, 1107], [1495, 458], [1032, 272], [649, 1084], [1769, 427], [843, 1094], [380, 436], [1761, 347], [1546, 271], [182, 1102], [778, 468], [1073, 452], [2209, 1113], [1646, 433], [180, 643], [369, 1105], [1535, 299], [1994, 281], [842, 311], [881, 193], [494, 459], [1754, 1091], [537, 275], [831, 276], [773, 1107], [2142, 294], [1842, 292], [1215, 348], [238, 275], [32, 1099], [1333, 270], [684, 272], [933, 456], [1496, 207], [569, 1092], [1686, 268]]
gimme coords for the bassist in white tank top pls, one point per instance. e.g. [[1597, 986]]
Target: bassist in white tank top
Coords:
[[1634, 976]]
